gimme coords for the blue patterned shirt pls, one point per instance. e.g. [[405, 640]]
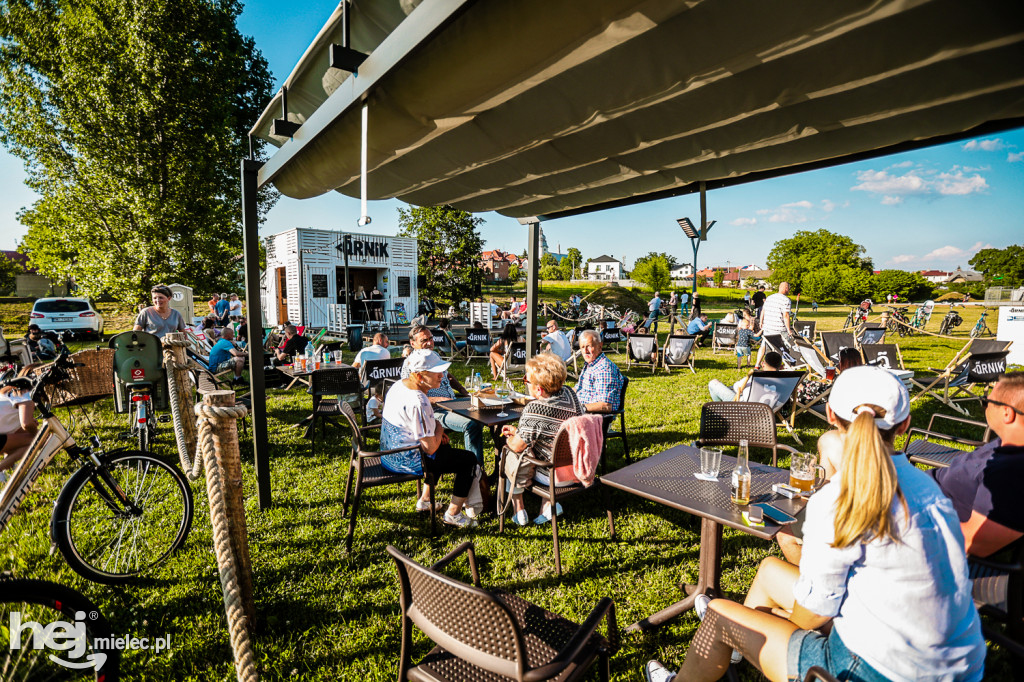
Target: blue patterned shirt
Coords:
[[407, 417], [600, 382]]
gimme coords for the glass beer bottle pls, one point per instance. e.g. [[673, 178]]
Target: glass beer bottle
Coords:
[[741, 476]]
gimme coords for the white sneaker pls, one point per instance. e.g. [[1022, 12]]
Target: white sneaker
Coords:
[[654, 671], [460, 520], [424, 505], [521, 518], [469, 511]]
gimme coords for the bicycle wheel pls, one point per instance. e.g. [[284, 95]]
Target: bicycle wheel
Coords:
[[44, 602], [109, 542]]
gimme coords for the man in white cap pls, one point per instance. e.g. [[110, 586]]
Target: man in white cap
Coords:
[[883, 561], [408, 421]]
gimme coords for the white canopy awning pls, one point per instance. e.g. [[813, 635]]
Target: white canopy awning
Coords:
[[549, 107]]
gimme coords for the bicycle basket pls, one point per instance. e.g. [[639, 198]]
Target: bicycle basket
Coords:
[[90, 379]]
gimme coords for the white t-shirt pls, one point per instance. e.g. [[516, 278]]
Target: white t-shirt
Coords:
[[10, 418], [236, 309], [560, 345], [372, 404], [495, 310], [373, 352]]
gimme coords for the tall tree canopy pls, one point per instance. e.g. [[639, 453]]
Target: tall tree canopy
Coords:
[[449, 247], [669, 259], [653, 270], [131, 118], [807, 252], [1001, 267]]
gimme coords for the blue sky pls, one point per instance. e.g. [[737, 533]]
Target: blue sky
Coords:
[[933, 208]]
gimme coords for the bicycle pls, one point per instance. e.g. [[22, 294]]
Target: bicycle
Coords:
[[46, 603], [120, 514], [981, 326], [140, 384], [950, 322], [855, 318]]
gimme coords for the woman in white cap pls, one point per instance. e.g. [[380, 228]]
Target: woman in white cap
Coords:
[[883, 560], [408, 420]]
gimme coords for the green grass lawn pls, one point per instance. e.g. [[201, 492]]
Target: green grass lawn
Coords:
[[327, 615]]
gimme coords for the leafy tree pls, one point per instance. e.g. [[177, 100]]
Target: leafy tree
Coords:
[[9, 271], [1001, 267], [838, 283], [719, 277], [131, 119], [449, 248], [653, 272], [550, 273], [514, 273], [548, 259], [667, 257], [806, 252], [910, 286], [572, 261]]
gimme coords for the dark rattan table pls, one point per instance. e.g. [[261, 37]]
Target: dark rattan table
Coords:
[[667, 478], [489, 418]]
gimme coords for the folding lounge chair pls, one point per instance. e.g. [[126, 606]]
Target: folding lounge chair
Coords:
[[723, 337], [642, 349], [815, 362], [776, 343], [930, 453], [611, 336], [515, 361], [441, 344], [774, 389], [729, 423], [871, 333], [678, 352], [886, 355], [456, 352], [954, 383], [805, 330], [833, 343], [478, 344]]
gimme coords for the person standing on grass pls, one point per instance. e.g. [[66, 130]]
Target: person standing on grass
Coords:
[[408, 420], [673, 301], [883, 563], [758, 300], [234, 308], [775, 318], [159, 319], [696, 311], [222, 309], [653, 309]]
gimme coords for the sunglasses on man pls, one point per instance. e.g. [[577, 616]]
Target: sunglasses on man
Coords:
[[985, 403]]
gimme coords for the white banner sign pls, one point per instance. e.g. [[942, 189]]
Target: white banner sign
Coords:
[[1011, 328]]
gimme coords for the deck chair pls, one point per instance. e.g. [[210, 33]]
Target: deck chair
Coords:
[[776, 343], [775, 389], [954, 384], [678, 352], [723, 337], [515, 361], [833, 343], [374, 373], [989, 345], [930, 453], [816, 363], [805, 330], [478, 344], [442, 346], [545, 486], [642, 349], [492, 634], [611, 336], [729, 423], [456, 352], [871, 333], [885, 355]]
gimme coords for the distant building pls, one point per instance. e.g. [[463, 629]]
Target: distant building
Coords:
[[30, 283], [604, 267], [681, 271], [959, 276], [496, 263], [935, 276]]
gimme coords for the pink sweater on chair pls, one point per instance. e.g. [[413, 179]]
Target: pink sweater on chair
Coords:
[[586, 438]]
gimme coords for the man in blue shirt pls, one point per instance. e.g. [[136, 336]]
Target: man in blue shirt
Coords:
[[225, 354], [221, 309], [699, 326], [600, 382], [654, 308]]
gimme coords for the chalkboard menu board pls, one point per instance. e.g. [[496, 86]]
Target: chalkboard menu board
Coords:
[[404, 284], [319, 286]]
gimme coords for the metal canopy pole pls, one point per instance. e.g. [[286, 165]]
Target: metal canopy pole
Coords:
[[533, 256], [697, 235], [257, 385]]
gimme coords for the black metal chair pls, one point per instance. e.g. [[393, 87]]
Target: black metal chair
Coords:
[[998, 592], [552, 492], [929, 453], [327, 386], [609, 419], [364, 465], [728, 423], [491, 635]]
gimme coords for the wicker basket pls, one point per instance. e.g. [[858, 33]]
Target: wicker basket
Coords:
[[90, 379]]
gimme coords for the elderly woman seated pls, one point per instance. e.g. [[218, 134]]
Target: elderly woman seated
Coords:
[[553, 403]]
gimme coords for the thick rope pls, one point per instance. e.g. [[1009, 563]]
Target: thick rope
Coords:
[[191, 467], [238, 627]]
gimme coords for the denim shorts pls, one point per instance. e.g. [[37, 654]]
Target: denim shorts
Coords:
[[808, 648]]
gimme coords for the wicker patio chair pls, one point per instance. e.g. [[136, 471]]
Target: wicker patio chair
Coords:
[[609, 419], [998, 592], [929, 453], [545, 487], [491, 635], [364, 465], [728, 423], [326, 387]]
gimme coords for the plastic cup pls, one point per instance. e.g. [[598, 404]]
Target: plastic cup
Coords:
[[710, 462], [337, 356]]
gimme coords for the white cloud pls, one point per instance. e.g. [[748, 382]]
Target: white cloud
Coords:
[[744, 221], [798, 204], [889, 200], [992, 145], [902, 164], [1014, 157], [903, 258], [828, 205], [948, 254], [882, 182], [787, 213], [959, 184]]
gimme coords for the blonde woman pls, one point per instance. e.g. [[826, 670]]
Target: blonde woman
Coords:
[[553, 403], [883, 560]]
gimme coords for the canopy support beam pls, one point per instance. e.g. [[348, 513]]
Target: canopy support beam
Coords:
[[254, 300], [533, 256]]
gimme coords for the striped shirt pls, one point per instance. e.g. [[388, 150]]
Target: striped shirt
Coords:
[[773, 314], [542, 418]]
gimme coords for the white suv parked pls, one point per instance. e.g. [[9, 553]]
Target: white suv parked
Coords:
[[77, 315]]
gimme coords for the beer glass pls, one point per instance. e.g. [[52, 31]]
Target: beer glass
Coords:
[[805, 473], [710, 463]]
